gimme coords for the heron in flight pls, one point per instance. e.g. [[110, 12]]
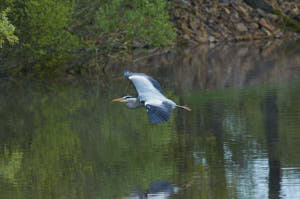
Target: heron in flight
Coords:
[[150, 95]]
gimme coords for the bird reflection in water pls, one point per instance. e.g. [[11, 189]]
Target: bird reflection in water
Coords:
[[159, 189]]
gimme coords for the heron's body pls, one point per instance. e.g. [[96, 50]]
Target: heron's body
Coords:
[[150, 95], [133, 103]]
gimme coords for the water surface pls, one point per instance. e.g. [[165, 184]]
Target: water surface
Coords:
[[242, 139]]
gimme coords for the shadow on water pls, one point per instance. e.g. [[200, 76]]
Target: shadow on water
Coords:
[[67, 140]]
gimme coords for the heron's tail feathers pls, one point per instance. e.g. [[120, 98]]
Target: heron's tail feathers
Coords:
[[185, 107]]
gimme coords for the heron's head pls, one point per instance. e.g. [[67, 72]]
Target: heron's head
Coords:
[[126, 98]]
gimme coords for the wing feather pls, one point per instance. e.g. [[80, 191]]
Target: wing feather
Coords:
[[159, 113], [143, 82], [155, 84]]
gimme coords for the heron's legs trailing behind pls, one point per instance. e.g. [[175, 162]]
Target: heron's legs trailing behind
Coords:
[[185, 107]]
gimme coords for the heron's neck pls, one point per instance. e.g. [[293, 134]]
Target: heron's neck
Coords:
[[133, 103]]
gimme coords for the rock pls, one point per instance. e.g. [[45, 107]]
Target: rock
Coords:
[[254, 26], [215, 34], [201, 39], [194, 24], [234, 17], [261, 12], [256, 19], [243, 11], [258, 35], [272, 17], [227, 10], [241, 27], [264, 23], [187, 37], [212, 45], [260, 4], [278, 33], [211, 39], [295, 11], [268, 33], [198, 13], [185, 29], [177, 13], [211, 20], [243, 37], [214, 21]]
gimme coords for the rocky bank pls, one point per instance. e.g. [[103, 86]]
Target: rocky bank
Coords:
[[203, 21]]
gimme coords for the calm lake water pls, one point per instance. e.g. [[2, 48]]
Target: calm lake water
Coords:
[[241, 140]]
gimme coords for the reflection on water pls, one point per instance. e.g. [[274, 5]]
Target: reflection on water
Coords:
[[240, 141], [159, 189]]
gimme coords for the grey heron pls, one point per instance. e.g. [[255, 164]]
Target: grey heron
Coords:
[[150, 95]]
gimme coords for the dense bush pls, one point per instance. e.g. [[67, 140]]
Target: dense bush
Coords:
[[6, 29]]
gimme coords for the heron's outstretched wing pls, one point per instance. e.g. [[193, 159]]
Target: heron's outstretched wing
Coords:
[[144, 83], [159, 113]]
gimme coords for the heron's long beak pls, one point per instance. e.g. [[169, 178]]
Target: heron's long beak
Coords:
[[118, 100]]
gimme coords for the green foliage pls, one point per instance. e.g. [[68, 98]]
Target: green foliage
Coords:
[[288, 23], [46, 44], [123, 22], [51, 32], [292, 24], [48, 38], [6, 29]]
